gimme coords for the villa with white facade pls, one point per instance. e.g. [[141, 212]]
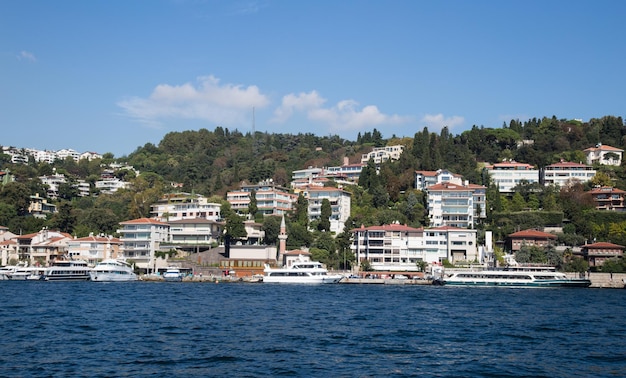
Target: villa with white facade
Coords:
[[424, 179], [383, 154], [94, 248], [564, 173], [606, 155], [179, 206], [271, 198], [508, 174]]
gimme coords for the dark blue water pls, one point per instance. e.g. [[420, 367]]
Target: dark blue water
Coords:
[[86, 329]]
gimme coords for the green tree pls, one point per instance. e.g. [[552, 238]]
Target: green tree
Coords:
[[252, 207], [64, 220], [325, 214]]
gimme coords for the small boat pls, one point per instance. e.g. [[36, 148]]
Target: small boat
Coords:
[[173, 274], [512, 277], [27, 273], [112, 270], [68, 270], [300, 272], [6, 271]]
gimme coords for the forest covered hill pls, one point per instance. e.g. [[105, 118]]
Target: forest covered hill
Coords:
[[213, 162]]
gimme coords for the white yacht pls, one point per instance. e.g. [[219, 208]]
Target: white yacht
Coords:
[[173, 274], [68, 270], [27, 273], [300, 272], [6, 271], [512, 277], [110, 270]]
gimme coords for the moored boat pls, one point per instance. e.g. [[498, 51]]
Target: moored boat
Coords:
[[173, 274], [518, 277], [68, 270], [112, 270], [300, 272], [27, 273]]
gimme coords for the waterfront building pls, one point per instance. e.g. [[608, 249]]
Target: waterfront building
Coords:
[[8, 246], [382, 154], [605, 155], [609, 198], [508, 174], [180, 206], [271, 198], [456, 205], [425, 179], [396, 247], [530, 238], [141, 239], [597, 253], [94, 248], [564, 174], [42, 247]]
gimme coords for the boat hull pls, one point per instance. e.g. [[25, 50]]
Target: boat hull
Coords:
[[112, 277], [303, 279]]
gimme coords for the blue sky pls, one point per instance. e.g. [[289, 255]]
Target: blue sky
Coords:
[[109, 76]]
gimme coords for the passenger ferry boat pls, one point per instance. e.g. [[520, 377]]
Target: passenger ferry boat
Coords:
[[68, 270], [300, 272], [112, 270], [512, 277]]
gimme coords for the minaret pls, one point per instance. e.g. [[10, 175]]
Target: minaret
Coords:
[[282, 237]]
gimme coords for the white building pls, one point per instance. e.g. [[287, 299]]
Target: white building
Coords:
[[424, 179], [178, 206], [271, 198], [111, 185], [598, 155], [53, 182], [383, 154], [67, 152], [141, 238], [340, 202], [456, 205], [194, 232], [507, 175], [396, 247], [565, 173], [94, 248]]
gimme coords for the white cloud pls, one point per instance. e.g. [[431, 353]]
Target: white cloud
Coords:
[[438, 121], [207, 100], [25, 55], [345, 115]]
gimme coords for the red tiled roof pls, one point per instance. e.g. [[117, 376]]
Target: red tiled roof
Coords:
[[606, 189], [532, 234], [100, 239], [602, 245], [603, 148]]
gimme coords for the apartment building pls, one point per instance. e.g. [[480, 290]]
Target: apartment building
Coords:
[[396, 247], [94, 248], [508, 174], [456, 205], [609, 198], [42, 247], [141, 238], [340, 202], [565, 173], [383, 154], [271, 198], [185, 206]]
